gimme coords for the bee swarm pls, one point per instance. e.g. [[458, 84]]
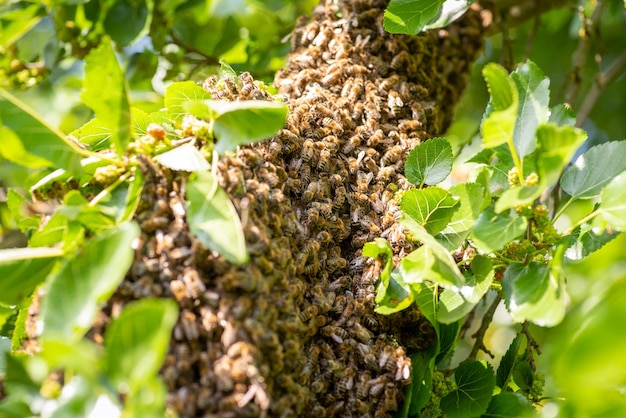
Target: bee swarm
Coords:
[[293, 332]]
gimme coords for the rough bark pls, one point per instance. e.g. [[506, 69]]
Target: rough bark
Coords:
[[294, 332]]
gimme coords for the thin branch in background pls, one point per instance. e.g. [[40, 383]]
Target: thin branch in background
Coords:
[[516, 12], [531, 37], [531, 344], [479, 335], [600, 81], [579, 58]]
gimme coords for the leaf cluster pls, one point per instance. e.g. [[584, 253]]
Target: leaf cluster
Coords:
[[494, 237]]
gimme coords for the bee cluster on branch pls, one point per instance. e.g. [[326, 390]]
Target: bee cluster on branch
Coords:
[[294, 332]]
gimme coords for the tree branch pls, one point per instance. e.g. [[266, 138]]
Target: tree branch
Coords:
[[514, 12], [479, 344], [599, 83]]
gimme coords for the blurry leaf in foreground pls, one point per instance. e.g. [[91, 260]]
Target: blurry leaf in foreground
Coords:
[[212, 218]]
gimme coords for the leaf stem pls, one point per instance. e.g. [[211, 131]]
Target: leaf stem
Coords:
[[121, 179], [518, 163], [581, 222], [560, 211], [479, 335]]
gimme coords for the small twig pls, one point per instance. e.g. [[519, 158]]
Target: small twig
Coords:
[[600, 82], [531, 344], [479, 335], [531, 37], [579, 58]]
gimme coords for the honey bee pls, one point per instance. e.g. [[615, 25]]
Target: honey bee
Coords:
[[336, 333], [319, 385], [179, 291], [389, 401], [363, 180], [337, 284], [308, 313], [193, 283], [324, 236], [395, 103], [386, 173], [357, 111], [336, 263], [388, 83], [335, 127], [189, 325], [346, 382], [307, 150], [371, 322], [391, 156], [400, 59], [324, 160], [375, 139], [311, 191], [371, 111], [403, 371], [333, 77], [362, 334]]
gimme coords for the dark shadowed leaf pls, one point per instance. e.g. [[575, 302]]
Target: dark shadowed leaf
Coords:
[[106, 93], [509, 405], [429, 162], [86, 281], [475, 381], [535, 293], [126, 20], [213, 218], [136, 342], [594, 169], [507, 364]]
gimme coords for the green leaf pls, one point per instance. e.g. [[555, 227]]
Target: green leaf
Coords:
[[562, 115], [429, 262], [534, 97], [183, 158], [80, 356], [475, 382], [471, 198], [613, 204], [86, 281], [456, 304], [450, 11], [422, 366], [213, 218], [534, 293], [22, 269], [586, 240], [426, 295], [245, 121], [523, 376], [432, 208], [18, 19], [499, 122], [493, 231], [381, 248], [410, 16], [28, 140], [136, 342], [127, 20], [94, 134], [509, 405], [555, 148], [594, 169], [24, 219], [429, 162], [394, 297], [520, 195], [106, 93], [125, 200], [178, 94], [51, 232], [507, 364]]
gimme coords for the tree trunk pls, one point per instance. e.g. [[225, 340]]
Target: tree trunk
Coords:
[[294, 332]]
